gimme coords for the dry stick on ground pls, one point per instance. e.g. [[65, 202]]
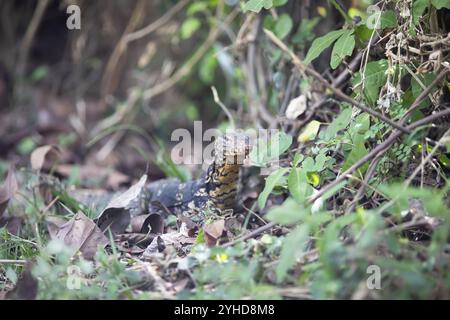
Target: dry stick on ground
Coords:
[[341, 95], [380, 149]]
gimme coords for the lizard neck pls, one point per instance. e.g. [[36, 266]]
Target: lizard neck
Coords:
[[223, 183]]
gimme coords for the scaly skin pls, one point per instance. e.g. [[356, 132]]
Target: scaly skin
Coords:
[[216, 191]]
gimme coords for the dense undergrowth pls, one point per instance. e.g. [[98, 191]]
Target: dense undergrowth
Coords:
[[358, 208]]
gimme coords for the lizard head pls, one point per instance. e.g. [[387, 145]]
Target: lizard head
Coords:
[[232, 148]]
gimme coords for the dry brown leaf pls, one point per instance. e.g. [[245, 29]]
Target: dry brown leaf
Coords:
[[116, 215], [82, 234], [45, 157], [213, 232]]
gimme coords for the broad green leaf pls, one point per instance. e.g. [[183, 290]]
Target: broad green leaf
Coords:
[[298, 185], [357, 152], [271, 182], [418, 7], [417, 89], [257, 5], [439, 4], [322, 43], [388, 19], [293, 248], [375, 77], [343, 47], [269, 149], [289, 213], [189, 27], [308, 165], [340, 123], [283, 26], [310, 132]]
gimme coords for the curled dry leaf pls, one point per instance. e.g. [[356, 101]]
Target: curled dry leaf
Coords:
[[213, 232], [146, 223], [116, 216], [82, 234], [45, 157], [296, 107]]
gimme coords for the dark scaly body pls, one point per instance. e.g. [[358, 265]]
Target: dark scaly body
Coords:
[[216, 190]]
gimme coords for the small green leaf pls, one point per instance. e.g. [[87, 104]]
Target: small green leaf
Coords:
[[298, 185], [293, 248], [283, 26], [340, 123], [269, 149], [310, 132], [357, 152], [375, 77], [189, 27], [418, 7], [271, 182], [289, 213], [388, 19], [343, 47], [257, 5], [322, 43]]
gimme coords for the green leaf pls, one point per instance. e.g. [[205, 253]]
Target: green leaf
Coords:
[[310, 132], [257, 5], [417, 89], [375, 77], [298, 185], [439, 4], [322, 43], [357, 152], [289, 213], [189, 27], [418, 7], [265, 151], [198, 6], [271, 182], [279, 3], [340, 123], [283, 26], [208, 66], [388, 19], [343, 47], [293, 248]]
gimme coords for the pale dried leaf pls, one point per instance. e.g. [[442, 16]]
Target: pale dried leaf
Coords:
[[296, 107], [45, 157]]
